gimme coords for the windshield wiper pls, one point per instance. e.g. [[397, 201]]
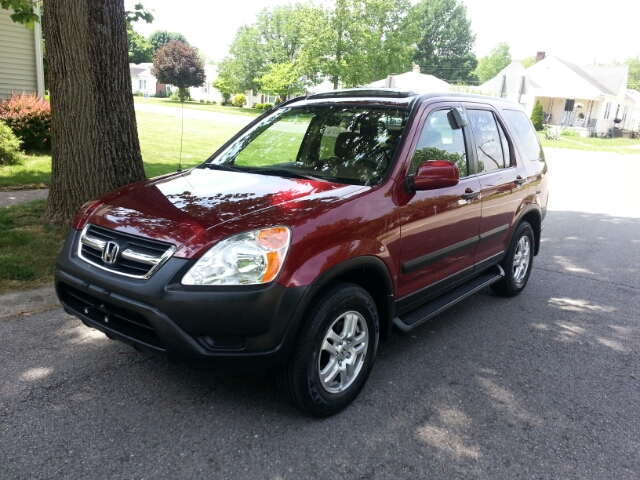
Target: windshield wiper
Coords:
[[283, 172], [215, 166]]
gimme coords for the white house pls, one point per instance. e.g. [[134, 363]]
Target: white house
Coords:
[[414, 81], [20, 57], [207, 91], [631, 117], [588, 98], [143, 81]]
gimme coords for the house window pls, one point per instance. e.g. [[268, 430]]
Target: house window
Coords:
[[607, 111], [143, 84], [625, 112]]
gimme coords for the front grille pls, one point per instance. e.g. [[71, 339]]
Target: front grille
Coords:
[[113, 317], [123, 253]]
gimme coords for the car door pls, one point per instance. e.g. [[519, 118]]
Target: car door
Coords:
[[502, 181], [439, 228]]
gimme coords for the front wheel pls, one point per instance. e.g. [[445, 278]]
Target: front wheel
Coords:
[[335, 352], [518, 262]]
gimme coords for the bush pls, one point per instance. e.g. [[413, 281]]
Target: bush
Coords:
[[9, 146], [201, 100], [30, 119], [569, 133], [140, 93], [240, 100], [536, 116], [174, 97], [213, 102], [263, 106], [225, 103]]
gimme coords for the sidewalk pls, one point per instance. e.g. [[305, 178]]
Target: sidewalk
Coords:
[[26, 302]]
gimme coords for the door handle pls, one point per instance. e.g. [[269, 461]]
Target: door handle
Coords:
[[519, 180], [468, 193]]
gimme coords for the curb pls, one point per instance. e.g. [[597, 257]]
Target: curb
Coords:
[[17, 304]]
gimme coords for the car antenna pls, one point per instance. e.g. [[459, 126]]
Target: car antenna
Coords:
[[181, 130]]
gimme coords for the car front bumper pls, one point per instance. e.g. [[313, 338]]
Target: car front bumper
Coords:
[[249, 326]]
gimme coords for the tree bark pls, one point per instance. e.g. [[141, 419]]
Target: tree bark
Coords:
[[95, 145]]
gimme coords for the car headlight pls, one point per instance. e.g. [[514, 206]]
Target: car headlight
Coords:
[[249, 258]]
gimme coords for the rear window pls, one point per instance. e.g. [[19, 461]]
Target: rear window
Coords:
[[522, 127]]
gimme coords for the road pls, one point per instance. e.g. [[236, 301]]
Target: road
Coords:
[[543, 385]]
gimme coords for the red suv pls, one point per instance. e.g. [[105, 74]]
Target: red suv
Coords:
[[318, 229]]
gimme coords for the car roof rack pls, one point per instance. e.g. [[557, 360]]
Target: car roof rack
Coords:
[[365, 92]]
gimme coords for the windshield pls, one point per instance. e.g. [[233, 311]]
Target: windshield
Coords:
[[335, 143]]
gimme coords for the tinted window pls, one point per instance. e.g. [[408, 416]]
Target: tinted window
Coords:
[[488, 142], [439, 140], [523, 129]]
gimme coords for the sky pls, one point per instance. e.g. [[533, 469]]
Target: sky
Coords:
[[580, 32]]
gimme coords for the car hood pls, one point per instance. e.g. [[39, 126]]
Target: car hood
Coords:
[[182, 209]]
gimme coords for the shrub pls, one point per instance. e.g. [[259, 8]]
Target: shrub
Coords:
[[30, 119], [208, 102], [140, 93], [9, 146], [213, 102], [201, 100], [174, 97], [240, 100], [536, 116], [225, 103], [569, 133], [263, 106]]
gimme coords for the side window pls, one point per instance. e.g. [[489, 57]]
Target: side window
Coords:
[[488, 141], [505, 146], [521, 126], [439, 140]]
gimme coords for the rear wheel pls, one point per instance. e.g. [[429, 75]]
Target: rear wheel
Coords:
[[517, 263], [335, 352]]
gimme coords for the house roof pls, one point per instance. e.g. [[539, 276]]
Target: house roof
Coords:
[[562, 79], [635, 96], [415, 81], [554, 77], [609, 79], [135, 71]]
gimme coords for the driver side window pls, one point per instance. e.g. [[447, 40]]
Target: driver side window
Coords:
[[439, 140]]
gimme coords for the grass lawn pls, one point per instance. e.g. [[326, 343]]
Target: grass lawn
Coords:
[[165, 102], [33, 172], [28, 247], [611, 145], [159, 141]]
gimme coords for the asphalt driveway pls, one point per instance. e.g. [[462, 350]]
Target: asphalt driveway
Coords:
[[543, 385]]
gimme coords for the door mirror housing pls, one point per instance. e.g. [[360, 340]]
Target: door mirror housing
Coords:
[[434, 174]]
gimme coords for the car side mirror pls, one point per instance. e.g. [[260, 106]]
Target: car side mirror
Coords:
[[434, 174], [457, 118]]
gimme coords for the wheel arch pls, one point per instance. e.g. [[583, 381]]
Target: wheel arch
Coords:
[[533, 215], [370, 273]]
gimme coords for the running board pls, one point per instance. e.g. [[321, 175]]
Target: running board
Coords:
[[406, 323]]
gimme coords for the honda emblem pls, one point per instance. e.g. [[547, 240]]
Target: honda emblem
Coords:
[[110, 253]]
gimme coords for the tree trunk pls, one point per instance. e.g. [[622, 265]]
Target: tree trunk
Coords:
[[95, 145]]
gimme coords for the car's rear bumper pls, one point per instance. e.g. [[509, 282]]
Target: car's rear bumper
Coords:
[[208, 327]]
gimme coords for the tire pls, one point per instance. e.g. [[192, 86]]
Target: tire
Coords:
[[518, 262], [324, 375]]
